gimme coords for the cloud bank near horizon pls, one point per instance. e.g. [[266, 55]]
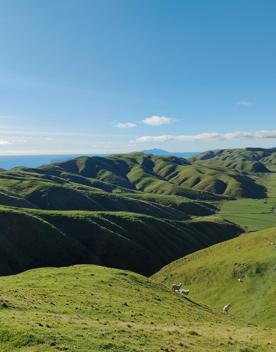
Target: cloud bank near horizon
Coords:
[[206, 136]]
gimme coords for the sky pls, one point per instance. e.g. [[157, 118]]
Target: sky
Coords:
[[109, 76]]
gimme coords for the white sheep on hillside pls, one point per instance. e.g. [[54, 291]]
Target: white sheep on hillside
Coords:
[[226, 308], [183, 292]]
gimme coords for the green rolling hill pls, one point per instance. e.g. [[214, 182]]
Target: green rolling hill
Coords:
[[241, 271], [90, 308], [248, 160], [36, 238], [116, 210], [147, 214], [162, 175], [30, 188], [133, 182]]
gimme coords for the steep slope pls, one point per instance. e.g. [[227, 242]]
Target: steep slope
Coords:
[[35, 238], [270, 160], [89, 308], [218, 181], [30, 189], [81, 183], [161, 175], [249, 160], [134, 171], [241, 271]]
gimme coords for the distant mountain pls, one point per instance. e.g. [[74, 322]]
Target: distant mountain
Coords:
[[162, 152]]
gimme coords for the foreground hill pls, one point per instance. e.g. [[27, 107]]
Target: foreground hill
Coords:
[[36, 238], [241, 271], [90, 308]]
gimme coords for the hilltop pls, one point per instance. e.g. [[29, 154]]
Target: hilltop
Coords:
[[85, 308], [161, 175], [240, 271], [130, 182], [256, 160]]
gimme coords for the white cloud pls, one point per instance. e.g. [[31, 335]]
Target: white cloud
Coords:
[[208, 136], [126, 125], [157, 120], [3, 142], [244, 103]]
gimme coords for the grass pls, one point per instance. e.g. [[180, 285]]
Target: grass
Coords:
[[139, 213], [247, 160], [213, 274], [254, 214], [160, 175], [34, 238], [35, 189], [90, 308]]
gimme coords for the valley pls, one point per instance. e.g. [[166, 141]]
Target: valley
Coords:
[[90, 247]]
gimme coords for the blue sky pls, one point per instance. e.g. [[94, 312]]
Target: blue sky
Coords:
[[101, 76]]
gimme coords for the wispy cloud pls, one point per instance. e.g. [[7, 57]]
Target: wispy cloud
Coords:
[[156, 120], [207, 136], [244, 103], [3, 142], [126, 125]]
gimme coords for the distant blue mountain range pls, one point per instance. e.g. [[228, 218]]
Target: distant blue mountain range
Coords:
[[8, 162], [162, 152]]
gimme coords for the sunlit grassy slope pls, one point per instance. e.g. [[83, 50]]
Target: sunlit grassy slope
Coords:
[[90, 308], [160, 175], [213, 276], [244, 160]]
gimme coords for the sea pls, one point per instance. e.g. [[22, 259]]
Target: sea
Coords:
[[9, 162]]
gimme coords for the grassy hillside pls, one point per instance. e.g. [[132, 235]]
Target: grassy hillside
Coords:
[[90, 308], [36, 238], [218, 181], [163, 187], [256, 160], [254, 214], [35, 189], [213, 276], [160, 175]]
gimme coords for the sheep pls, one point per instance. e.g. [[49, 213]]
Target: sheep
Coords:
[[226, 308], [240, 280], [273, 244], [176, 287], [184, 292]]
